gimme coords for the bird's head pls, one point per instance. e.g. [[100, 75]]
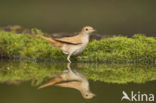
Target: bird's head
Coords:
[[88, 29], [88, 95]]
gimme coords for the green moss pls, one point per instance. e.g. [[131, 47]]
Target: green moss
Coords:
[[120, 74], [138, 49], [27, 46], [17, 72]]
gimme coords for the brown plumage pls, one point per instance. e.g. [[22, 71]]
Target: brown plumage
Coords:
[[71, 79], [72, 45], [57, 43]]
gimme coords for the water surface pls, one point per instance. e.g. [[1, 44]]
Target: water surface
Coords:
[[19, 82]]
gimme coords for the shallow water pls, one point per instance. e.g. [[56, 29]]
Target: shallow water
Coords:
[[19, 82]]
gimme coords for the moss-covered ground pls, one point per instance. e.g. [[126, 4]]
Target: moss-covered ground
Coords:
[[137, 49]]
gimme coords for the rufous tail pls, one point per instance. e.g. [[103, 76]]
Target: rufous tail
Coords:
[[57, 43], [52, 82]]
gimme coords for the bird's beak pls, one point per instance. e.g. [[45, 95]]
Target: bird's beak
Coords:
[[93, 30]]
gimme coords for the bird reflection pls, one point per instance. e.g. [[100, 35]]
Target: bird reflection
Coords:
[[72, 79]]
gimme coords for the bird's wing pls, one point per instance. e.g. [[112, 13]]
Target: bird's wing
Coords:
[[51, 40], [70, 84], [75, 40], [51, 82]]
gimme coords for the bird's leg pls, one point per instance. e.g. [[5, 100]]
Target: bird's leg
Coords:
[[69, 68], [68, 58]]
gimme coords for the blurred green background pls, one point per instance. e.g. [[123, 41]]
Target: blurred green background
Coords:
[[107, 16]]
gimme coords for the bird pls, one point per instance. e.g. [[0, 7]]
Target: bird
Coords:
[[71, 79], [72, 45]]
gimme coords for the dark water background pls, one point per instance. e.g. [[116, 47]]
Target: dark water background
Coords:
[[105, 93], [106, 16]]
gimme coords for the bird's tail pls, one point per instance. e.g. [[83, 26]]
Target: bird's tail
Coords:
[[57, 43], [52, 82]]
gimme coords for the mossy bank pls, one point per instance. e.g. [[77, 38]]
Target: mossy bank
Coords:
[[15, 72], [138, 49]]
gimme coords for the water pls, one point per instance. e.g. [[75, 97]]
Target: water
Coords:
[[19, 82]]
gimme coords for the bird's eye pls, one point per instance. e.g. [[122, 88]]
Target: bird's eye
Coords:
[[86, 29]]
